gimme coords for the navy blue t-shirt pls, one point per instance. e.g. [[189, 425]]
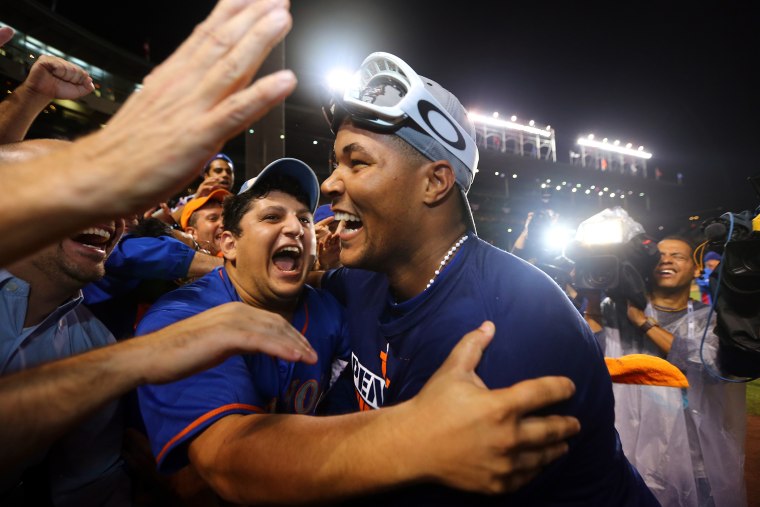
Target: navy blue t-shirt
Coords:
[[177, 412], [397, 347]]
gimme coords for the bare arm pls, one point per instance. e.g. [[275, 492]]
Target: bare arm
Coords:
[[455, 432], [189, 106], [202, 263], [659, 336], [40, 404], [593, 313], [49, 78]]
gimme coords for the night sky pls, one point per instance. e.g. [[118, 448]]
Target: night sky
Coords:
[[677, 78]]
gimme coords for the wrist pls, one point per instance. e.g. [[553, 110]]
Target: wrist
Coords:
[[648, 324]]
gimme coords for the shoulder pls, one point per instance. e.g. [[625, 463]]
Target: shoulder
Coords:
[[186, 301], [508, 274]]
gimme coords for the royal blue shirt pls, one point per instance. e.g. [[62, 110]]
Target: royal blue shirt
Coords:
[[395, 348], [114, 299], [175, 413]]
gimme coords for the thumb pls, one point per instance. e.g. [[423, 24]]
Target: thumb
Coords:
[[466, 354]]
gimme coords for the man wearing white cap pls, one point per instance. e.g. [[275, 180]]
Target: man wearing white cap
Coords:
[[416, 277]]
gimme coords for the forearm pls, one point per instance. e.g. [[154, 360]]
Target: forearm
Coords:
[[82, 183], [202, 263], [304, 459], [593, 312], [661, 337], [17, 113], [40, 404]]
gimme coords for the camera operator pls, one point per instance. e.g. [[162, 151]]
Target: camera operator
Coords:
[[689, 447]]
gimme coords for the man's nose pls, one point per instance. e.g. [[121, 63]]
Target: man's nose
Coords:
[[333, 185], [293, 226]]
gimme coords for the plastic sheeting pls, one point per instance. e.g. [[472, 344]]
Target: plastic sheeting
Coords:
[[683, 441]]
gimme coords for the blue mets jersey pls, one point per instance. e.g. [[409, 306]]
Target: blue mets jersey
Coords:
[[396, 347], [254, 383]]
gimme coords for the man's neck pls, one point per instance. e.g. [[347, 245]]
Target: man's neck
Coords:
[[675, 300], [45, 293], [282, 307], [411, 277]]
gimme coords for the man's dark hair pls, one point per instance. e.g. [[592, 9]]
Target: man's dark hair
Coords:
[[151, 227], [236, 206], [218, 156]]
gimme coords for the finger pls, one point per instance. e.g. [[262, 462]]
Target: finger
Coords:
[[238, 59], [325, 221], [241, 109], [538, 432], [467, 353], [6, 34], [530, 395], [222, 12], [516, 480], [287, 350]]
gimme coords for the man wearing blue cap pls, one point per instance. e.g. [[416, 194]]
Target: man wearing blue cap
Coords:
[[269, 247]]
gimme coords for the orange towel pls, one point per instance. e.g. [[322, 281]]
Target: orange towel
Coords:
[[645, 369]]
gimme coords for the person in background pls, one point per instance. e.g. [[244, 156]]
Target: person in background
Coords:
[[710, 262], [688, 446], [202, 219], [49, 78], [328, 242]]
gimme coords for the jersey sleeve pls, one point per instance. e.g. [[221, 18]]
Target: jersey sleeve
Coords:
[[175, 413], [150, 258]]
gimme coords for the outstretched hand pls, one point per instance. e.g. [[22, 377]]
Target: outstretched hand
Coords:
[[55, 78], [205, 340], [201, 96], [491, 444]]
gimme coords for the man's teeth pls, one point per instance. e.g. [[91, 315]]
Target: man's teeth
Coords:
[[294, 249], [667, 272], [346, 217], [97, 232]]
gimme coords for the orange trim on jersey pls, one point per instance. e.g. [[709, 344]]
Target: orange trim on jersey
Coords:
[[306, 322], [363, 407], [205, 417], [383, 367]]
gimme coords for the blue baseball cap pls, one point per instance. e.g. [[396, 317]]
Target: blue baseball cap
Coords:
[[712, 256], [294, 168], [323, 212]]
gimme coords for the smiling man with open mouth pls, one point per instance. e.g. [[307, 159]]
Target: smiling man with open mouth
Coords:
[[44, 320], [269, 246]]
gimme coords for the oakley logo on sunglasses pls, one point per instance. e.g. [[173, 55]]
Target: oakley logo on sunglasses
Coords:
[[440, 124]]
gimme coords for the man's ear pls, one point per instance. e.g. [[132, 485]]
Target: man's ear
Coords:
[[192, 231], [228, 245], [439, 181]]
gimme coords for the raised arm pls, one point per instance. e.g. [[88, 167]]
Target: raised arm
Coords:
[[40, 404], [49, 78], [455, 432], [189, 106]]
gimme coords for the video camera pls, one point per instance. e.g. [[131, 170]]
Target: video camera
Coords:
[[736, 288], [613, 253]]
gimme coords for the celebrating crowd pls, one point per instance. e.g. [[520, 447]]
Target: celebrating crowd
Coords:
[[228, 348]]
